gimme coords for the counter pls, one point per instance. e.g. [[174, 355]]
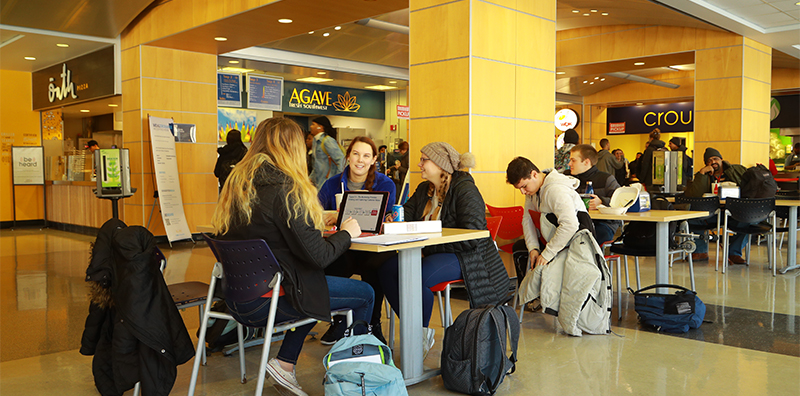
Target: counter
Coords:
[[74, 203]]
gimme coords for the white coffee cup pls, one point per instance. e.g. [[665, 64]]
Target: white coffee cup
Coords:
[[338, 200]]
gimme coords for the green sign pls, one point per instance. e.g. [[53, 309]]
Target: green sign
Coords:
[[111, 168], [326, 100]]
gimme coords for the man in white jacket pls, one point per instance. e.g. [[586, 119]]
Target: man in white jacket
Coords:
[[551, 194]]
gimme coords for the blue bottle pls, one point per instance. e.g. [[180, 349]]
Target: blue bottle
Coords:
[[589, 188]]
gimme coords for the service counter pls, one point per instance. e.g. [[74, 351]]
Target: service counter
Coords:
[[74, 203]]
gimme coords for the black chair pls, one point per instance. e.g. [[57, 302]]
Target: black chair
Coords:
[[752, 214], [620, 249], [248, 270], [709, 204]]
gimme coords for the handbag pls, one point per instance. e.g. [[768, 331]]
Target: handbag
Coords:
[[669, 313]]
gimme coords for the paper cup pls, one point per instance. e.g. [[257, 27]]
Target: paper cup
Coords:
[[338, 200]]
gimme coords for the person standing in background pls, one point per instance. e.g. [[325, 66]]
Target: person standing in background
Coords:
[[562, 155], [622, 173], [92, 145], [646, 167], [229, 156], [398, 171], [676, 144], [328, 157], [309, 152], [381, 165], [606, 162]]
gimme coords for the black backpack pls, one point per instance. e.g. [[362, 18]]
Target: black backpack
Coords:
[[474, 358], [757, 182]]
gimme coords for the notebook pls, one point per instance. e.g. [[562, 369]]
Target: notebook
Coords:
[[368, 208]]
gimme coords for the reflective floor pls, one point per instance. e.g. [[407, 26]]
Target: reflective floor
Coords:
[[751, 347]]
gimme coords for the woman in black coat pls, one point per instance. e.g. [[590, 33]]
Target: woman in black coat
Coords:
[[269, 196], [451, 196], [229, 156]]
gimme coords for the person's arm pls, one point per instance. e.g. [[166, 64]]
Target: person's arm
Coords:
[[336, 154], [564, 208], [470, 214], [611, 186], [698, 186], [614, 162], [529, 231], [419, 198], [327, 194]]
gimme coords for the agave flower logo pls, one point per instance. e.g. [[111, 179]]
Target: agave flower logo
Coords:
[[347, 103]]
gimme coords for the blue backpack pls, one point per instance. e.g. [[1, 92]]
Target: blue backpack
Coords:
[[669, 313], [361, 365]]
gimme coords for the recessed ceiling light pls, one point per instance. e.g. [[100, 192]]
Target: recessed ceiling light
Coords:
[[561, 72], [639, 103], [591, 83], [236, 69], [584, 81], [638, 63], [797, 4], [30, 58], [233, 61], [221, 38], [597, 78], [322, 73], [380, 87], [62, 45], [314, 79], [325, 34], [112, 105], [593, 10], [604, 14], [285, 20], [575, 11], [337, 28], [84, 111], [392, 82], [311, 32], [602, 79], [586, 14]]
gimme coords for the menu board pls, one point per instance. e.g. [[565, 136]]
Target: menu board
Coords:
[[28, 165], [229, 89], [264, 92]]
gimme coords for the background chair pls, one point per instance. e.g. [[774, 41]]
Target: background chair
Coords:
[[511, 227], [248, 269], [709, 204], [751, 214], [620, 249]]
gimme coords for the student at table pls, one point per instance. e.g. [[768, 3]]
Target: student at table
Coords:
[[583, 160], [450, 195], [360, 174], [269, 196]]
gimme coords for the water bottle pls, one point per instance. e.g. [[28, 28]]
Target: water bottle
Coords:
[[589, 188]]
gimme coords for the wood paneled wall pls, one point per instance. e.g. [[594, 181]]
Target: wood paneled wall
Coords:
[[76, 203]]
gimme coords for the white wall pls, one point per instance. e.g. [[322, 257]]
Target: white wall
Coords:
[[378, 130]]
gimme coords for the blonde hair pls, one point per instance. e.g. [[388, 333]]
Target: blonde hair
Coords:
[[279, 142]]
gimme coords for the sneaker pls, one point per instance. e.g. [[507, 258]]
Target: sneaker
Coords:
[[378, 333], [335, 332], [699, 257], [427, 340], [283, 381]]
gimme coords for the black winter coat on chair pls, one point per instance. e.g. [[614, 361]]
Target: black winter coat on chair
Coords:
[[133, 329]]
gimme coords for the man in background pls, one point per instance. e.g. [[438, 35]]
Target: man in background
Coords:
[[607, 162], [583, 161]]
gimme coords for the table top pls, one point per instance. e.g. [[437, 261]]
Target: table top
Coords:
[[778, 202], [446, 236], [653, 216]]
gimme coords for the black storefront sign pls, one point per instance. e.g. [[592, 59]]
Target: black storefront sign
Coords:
[[668, 117], [77, 80], [785, 111]]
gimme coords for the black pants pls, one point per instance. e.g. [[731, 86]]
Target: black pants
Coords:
[[365, 264], [521, 259]]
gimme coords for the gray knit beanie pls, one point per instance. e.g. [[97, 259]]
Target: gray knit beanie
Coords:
[[711, 152], [447, 158]]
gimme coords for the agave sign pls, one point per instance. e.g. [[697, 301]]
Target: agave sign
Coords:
[[327, 100]]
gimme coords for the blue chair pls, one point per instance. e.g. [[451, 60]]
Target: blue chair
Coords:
[[249, 271]]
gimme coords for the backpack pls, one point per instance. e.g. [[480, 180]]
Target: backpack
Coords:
[[641, 235], [361, 365], [757, 182], [330, 159], [474, 358], [669, 313]]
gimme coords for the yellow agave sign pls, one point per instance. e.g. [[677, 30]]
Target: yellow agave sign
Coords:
[[321, 99]]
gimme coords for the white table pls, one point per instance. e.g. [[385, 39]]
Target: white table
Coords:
[[410, 274], [791, 259], [662, 219]]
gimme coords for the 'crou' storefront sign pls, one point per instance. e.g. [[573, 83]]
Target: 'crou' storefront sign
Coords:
[[668, 117], [77, 80]]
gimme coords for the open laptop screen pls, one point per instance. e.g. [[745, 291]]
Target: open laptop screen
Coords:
[[368, 208]]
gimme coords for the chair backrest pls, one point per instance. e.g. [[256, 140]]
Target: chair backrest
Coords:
[[247, 267], [511, 227], [750, 210], [537, 222], [493, 225], [709, 204], [162, 260]]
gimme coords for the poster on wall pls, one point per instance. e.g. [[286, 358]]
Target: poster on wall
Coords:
[[27, 165], [240, 119], [165, 166], [264, 92], [229, 89]]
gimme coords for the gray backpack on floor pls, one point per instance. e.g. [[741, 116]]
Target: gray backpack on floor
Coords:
[[474, 358]]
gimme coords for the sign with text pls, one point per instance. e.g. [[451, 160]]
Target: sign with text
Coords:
[[327, 100], [264, 92], [27, 165], [403, 112], [566, 119], [77, 80], [229, 89], [668, 117], [165, 166]]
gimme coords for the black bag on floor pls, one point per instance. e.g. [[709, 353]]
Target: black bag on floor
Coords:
[[670, 313], [474, 358]]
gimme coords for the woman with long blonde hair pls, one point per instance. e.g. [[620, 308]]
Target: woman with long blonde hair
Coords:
[[269, 196]]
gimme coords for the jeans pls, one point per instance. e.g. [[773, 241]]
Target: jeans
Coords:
[[367, 265], [605, 231], [736, 241], [344, 293], [436, 268]]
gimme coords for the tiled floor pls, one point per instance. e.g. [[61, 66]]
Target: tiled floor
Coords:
[[752, 346]]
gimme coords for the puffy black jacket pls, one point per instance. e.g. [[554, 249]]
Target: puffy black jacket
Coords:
[[484, 274], [300, 248]]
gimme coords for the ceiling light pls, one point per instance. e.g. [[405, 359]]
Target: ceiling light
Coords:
[[113, 105], [586, 14], [311, 32], [233, 62], [285, 20], [237, 69], [62, 45], [321, 73], [593, 10], [584, 81], [602, 79], [392, 82], [84, 111], [314, 79], [597, 78], [639, 103], [604, 14], [575, 11], [591, 83], [638, 64], [221, 38], [30, 58], [380, 87], [337, 28], [561, 72], [325, 34], [797, 4]]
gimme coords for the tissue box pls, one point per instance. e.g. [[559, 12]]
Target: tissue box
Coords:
[[642, 204], [412, 227]]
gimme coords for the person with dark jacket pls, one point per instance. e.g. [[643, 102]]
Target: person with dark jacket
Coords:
[[583, 166], [133, 329], [229, 156], [269, 196], [622, 173], [646, 166], [635, 165], [607, 162], [450, 195], [676, 144], [561, 161]]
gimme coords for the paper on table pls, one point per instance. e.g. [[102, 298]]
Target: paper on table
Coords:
[[387, 240]]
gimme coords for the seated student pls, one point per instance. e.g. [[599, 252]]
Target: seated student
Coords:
[[450, 195], [360, 174], [583, 166], [552, 194], [269, 196]]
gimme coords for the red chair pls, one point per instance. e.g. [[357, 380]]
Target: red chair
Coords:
[[511, 228]]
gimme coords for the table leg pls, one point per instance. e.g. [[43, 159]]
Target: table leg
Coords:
[[791, 259], [410, 285], [662, 257]]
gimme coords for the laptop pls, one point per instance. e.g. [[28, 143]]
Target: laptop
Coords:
[[368, 208]]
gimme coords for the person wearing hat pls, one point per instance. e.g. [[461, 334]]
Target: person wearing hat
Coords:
[[676, 144], [450, 195], [607, 162], [715, 171], [328, 156], [571, 138]]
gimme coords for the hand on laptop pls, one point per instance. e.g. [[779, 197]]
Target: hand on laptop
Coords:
[[352, 227]]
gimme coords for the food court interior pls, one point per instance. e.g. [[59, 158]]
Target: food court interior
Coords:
[[487, 76]]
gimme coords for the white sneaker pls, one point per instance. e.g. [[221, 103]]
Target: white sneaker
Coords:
[[427, 340], [284, 382]]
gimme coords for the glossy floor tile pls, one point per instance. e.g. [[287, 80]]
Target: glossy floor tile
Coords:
[[752, 346]]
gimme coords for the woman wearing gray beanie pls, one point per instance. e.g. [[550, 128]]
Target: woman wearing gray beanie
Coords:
[[450, 195]]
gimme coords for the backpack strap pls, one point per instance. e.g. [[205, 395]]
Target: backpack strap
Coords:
[[330, 160], [664, 285], [513, 330]]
